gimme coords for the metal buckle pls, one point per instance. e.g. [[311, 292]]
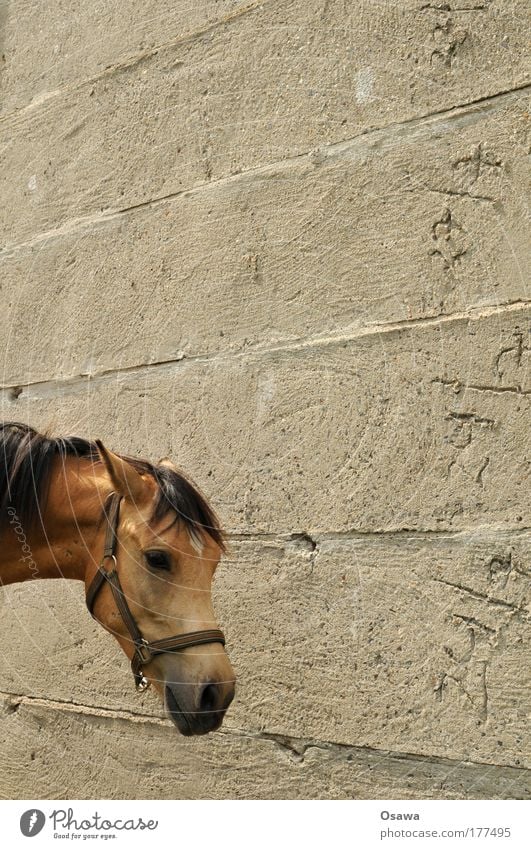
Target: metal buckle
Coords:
[[143, 651], [142, 683]]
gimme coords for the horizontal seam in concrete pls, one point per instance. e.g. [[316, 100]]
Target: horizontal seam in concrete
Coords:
[[488, 533], [304, 346], [280, 739], [17, 699], [131, 61], [293, 742], [410, 127]]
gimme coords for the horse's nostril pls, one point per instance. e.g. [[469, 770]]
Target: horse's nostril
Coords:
[[209, 698]]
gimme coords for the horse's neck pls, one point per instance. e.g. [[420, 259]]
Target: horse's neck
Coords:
[[65, 545]]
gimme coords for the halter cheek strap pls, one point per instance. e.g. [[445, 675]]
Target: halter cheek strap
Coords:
[[145, 651]]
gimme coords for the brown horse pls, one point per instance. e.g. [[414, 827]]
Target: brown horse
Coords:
[[146, 544]]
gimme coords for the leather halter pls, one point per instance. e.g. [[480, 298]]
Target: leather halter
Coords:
[[144, 651]]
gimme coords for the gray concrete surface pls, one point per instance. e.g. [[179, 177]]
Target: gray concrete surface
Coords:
[[285, 244]]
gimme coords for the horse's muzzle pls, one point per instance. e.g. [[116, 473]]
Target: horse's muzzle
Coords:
[[200, 708]]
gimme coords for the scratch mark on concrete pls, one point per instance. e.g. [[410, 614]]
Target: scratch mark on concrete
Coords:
[[481, 596]]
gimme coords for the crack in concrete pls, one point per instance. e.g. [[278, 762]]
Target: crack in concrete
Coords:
[[482, 469], [453, 193], [446, 7], [471, 620], [472, 418], [457, 386], [295, 748]]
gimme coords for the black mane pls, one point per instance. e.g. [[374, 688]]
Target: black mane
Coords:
[[26, 459]]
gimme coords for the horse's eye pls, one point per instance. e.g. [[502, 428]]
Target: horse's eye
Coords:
[[157, 559]]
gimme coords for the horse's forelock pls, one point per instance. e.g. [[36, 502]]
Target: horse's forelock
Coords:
[[180, 496]]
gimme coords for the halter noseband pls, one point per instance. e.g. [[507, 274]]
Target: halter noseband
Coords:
[[144, 651]]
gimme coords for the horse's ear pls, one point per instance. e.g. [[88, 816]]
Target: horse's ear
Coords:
[[125, 478], [167, 463]]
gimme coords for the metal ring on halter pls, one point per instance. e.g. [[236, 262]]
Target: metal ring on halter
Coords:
[[142, 684], [143, 652]]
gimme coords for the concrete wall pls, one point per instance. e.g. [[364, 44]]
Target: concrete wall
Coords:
[[284, 243]]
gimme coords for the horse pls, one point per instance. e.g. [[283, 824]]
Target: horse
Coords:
[[145, 542]]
